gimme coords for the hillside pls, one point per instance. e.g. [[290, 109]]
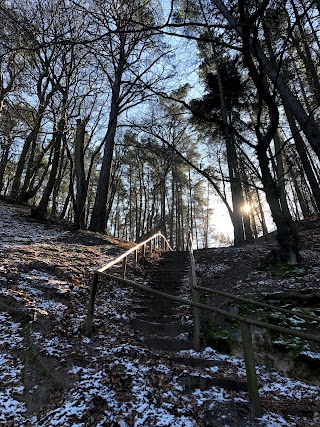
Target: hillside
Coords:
[[51, 375]]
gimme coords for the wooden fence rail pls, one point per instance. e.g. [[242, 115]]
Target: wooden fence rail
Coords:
[[245, 327]]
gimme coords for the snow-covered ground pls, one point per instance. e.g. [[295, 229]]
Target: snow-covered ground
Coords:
[[52, 375]]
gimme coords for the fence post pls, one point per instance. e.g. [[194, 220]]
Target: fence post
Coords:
[[150, 247], [135, 258], [195, 298], [252, 381], [143, 254], [124, 268], [93, 292]]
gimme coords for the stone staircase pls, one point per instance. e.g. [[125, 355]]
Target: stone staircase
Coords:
[[158, 321], [157, 317]]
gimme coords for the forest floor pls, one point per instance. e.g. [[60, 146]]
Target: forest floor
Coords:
[[52, 375]]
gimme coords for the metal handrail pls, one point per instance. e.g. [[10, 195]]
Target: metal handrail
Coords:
[[123, 258], [134, 249]]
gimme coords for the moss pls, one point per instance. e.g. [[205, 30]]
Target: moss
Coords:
[[277, 318], [311, 359], [218, 338], [282, 270], [287, 344], [232, 322], [247, 308]]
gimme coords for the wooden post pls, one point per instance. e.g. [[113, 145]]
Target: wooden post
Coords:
[[124, 268], [135, 258], [195, 298], [143, 254], [252, 381], [93, 292], [150, 247]]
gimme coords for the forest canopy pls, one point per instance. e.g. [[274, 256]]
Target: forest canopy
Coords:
[[131, 116]]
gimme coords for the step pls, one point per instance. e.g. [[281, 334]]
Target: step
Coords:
[[195, 362], [161, 329], [158, 300], [148, 316], [158, 305], [168, 275], [167, 343]]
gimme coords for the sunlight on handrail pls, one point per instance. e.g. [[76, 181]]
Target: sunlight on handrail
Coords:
[[132, 250]]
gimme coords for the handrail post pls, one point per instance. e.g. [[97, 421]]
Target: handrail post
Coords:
[[93, 292], [150, 247], [135, 258], [143, 254], [124, 268], [195, 298], [252, 381]]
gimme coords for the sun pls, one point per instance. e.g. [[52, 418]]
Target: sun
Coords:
[[246, 208]]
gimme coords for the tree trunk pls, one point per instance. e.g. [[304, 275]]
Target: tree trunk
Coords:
[[281, 175], [4, 159], [99, 212], [40, 211], [302, 151], [262, 216], [306, 56], [286, 234], [57, 185], [43, 100], [246, 216], [22, 159], [173, 196], [236, 188], [271, 70], [79, 215]]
